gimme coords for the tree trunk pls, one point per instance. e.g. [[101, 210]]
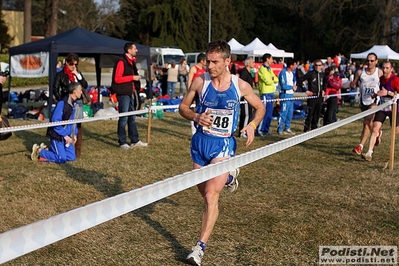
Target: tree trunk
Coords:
[[51, 18], [27, 20]]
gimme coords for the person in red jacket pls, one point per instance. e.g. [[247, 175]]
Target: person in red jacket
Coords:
[[334, 84], [126, 84]]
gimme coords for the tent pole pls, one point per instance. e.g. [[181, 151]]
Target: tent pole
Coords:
[[51, 77], [149, 95], [9, 86], [149, 123], [393, 131], [98, 75]]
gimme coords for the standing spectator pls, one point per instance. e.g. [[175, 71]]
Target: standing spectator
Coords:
[[232, 68], [368, 80], [218, 95], [300, 71], [246, 112], [61, 137], [328, 63], [183, 72], [287, 88], [173, 72], [125, 83], [59, 66], [307, 66], [69, 74], [316, 87], [2, 80], [164, 79], [267, 88], [334, 84], [389, 84], [198, 69]]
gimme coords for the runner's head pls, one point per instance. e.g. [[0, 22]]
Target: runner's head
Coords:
[[217, 58], [372, 60], [387, 69]]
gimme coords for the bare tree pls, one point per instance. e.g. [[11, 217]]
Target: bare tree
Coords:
[[27, 20]]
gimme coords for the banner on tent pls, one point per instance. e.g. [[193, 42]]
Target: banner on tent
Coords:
[[30, 65]]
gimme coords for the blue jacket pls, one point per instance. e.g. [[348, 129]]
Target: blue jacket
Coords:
[[64, 110], [282, 81]]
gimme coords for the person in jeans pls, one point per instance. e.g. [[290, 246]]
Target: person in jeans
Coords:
[[267, 87], [183, 72], [173, 72], [126, 83]]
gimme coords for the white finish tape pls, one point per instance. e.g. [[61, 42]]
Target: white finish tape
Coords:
[[20, 241]]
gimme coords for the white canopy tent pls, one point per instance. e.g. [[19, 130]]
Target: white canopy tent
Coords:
[[280, 52], [235, 46], [382, 52], [257, 48]]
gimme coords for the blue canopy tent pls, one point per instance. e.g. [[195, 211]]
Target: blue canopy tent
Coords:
[[85, 43]]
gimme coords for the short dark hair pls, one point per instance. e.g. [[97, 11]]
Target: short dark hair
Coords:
[[376, 58], [290, 62], [73, 86], [201, 57], [219, 46], [127, 46], [266, 56]]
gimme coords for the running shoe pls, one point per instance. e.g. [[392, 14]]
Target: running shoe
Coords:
[[288, 132], [125, 147], [233, 185], [367, 156], [358, 150], [35, 152], [195, 257], [139, 144]]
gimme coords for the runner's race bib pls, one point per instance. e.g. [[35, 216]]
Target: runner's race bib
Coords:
[[222, 123], [384, 100], [367, 96]]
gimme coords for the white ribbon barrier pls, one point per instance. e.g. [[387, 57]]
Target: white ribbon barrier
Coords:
[[144, 111], [20, 241], [66, 122]]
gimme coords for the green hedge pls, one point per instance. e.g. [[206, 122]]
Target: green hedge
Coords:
[[22, 82]]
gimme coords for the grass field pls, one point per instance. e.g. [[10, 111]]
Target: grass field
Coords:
[[287, 205]]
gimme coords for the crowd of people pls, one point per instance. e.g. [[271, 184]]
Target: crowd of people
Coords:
[[70, 94]]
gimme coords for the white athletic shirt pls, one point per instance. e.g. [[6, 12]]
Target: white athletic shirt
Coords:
[[369, 84]]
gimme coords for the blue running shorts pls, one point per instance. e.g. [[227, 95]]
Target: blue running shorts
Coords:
[[204, 148]]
